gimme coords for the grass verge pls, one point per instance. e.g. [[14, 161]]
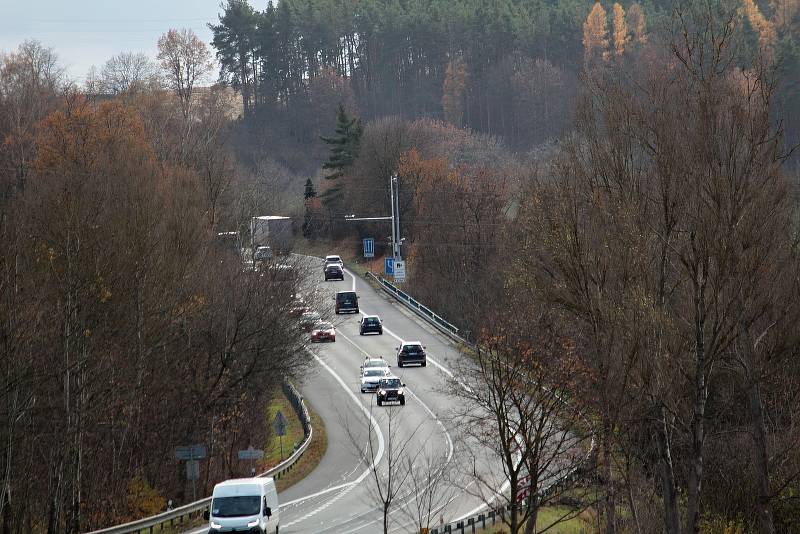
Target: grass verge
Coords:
[[294, 434], [583, 523]]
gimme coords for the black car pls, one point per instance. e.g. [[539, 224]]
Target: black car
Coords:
[[390, 389], [370, 323], [333, 272], [411, 352], [346, 301]]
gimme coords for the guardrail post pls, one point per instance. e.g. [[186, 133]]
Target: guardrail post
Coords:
[[472, 523]]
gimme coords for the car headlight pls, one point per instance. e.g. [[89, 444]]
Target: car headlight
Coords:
[[381, 392], [253, 523], [400, 391], [215, 526]]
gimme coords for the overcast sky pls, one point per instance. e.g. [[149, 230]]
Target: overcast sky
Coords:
[[88, 32]]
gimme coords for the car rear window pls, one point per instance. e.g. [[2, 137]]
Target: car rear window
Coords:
[[412, 349]]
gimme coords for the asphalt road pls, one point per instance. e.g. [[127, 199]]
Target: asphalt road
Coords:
[[339, 496]]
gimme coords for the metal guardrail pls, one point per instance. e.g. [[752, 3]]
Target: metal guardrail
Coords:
[[426, 313], [479, 520], [193, 510]]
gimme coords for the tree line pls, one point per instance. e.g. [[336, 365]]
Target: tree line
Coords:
[[126, 328], [644, 268]]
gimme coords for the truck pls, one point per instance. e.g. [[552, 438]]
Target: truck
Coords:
[[271, 231]]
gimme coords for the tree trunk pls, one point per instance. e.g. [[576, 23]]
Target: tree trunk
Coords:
[[610, 503], [671, 517], [760, 458], [699, 408]]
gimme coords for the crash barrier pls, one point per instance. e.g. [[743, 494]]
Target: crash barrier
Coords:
[[192, 511], [471, 523], [498, 515], [420, 309]]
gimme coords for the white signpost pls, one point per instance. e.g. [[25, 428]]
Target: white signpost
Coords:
[[399, 271]]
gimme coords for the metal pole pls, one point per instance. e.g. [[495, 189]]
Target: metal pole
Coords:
[[396, 200], [394, 232]]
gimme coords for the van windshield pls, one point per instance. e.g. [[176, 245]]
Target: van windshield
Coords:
[[238, 506]]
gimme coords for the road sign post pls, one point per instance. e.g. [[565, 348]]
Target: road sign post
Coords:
[[191, 454], [252, 455], [369, 247], [399, 271], [280, 428]]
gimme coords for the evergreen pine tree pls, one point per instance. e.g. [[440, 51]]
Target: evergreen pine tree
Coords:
[[344, 144], [310, 192]]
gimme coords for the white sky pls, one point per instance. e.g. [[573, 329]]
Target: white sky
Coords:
[[88, 32]]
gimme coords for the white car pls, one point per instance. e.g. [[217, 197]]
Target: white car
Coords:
[[371, 377], [374, 363], [333, 259]]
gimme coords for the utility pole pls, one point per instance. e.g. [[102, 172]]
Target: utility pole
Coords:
[[394, 194]]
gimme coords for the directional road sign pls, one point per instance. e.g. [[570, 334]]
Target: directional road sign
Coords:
[[190, 452], [192, 470], [251, 454], [388, 267], [280, 424], [369, 247], [399, 271]]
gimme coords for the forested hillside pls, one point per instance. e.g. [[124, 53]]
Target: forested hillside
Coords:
[[509, 67]]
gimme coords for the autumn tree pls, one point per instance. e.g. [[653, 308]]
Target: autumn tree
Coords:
[[764, 28], [186, 61], [595, 35], [638, 23], [620, 33]]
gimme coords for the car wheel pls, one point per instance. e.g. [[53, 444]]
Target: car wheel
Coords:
[[402, 401], [380, 332], [424, 364], [379, 402], [399, 363], [333, 340], [360, 332], [362, 390]]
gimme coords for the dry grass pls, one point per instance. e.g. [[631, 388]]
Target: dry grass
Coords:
[[311, 458], [584, 523]]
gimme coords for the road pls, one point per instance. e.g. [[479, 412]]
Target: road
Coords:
[[339, 495]]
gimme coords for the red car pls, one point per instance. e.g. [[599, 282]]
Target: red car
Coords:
[[323, 332]]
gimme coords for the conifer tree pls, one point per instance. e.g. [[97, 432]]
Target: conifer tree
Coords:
[[344, 144], [620, 30], [637, 23], [595, 35], [310, 192]]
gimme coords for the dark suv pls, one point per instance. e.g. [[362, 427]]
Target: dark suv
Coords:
[[390, 389], [346, 301], [370, 323], [411, 352], [333, 271]]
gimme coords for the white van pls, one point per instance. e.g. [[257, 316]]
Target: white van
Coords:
[[244, 505]]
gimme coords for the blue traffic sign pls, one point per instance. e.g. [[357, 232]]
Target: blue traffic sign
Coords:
[[388, 267], [369, 247]]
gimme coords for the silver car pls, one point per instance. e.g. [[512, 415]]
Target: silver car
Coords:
[[370, 378]]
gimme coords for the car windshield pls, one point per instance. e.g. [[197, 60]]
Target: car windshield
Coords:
[[391, 383], [375, 363], [324, 326], [333, 258], [238, 506], [374, 372]]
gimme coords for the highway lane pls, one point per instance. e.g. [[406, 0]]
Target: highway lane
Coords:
[[338, 496]]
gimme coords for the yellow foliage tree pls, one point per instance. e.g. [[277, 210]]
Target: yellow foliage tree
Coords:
[[455, 82], [143, 500], [637, 23], [765, 28], [595, 35], [620, 30]]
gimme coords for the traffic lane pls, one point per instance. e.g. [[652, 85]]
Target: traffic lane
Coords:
[[356, 507]]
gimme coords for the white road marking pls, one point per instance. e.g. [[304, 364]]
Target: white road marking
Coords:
[[362, 476]]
